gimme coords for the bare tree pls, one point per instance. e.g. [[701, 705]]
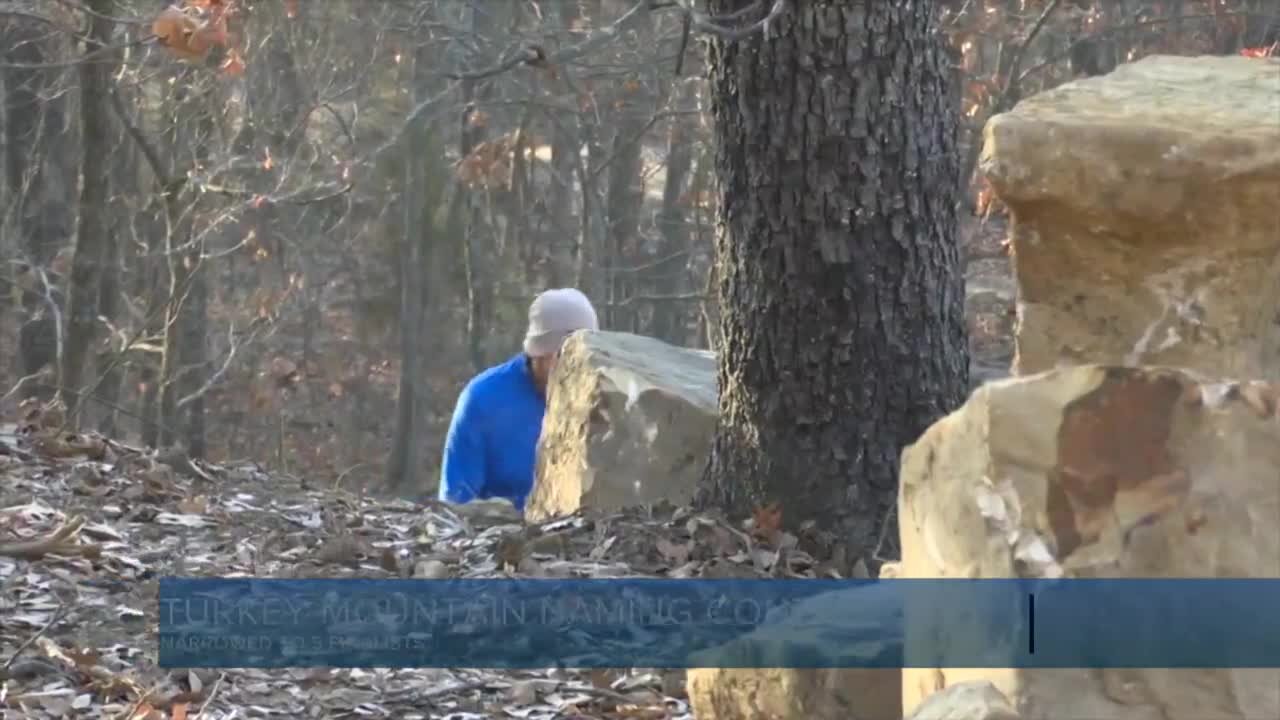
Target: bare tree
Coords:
[[91, 223]]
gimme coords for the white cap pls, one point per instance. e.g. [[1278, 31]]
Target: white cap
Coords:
[[553, 316]]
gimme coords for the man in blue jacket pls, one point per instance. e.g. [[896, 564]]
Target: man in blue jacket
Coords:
[[492, 442]]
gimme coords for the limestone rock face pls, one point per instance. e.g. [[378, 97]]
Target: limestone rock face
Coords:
[[1100, 471], [975, 700], [1145, 216], [629, 421], [785, 694]]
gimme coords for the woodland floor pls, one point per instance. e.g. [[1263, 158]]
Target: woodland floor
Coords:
[[78, 617]]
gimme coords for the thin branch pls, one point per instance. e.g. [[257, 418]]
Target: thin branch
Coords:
[[60, 542], [704, 24], [99, 55], [1124, 27], [15, 12], [57, 615], [56, 312], [78, 7], [1011, 85], [216, 377], [148, 150]]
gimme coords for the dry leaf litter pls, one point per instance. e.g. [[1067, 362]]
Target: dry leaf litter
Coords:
[[88, 525]]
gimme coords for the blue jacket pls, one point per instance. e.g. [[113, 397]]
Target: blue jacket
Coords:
[[493, 438]]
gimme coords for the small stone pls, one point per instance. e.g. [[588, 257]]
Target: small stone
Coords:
[[430, 570], [524, 692]]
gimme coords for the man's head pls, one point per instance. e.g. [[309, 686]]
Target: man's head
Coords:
[[553, 316]]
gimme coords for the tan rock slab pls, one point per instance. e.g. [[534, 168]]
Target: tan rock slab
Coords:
[[629, 422], [1146, 216], [1099, 471]]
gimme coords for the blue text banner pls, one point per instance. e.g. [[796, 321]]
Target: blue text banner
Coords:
[[275, 623]]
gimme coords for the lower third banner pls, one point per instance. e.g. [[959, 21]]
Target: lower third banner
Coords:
[[269, 623]]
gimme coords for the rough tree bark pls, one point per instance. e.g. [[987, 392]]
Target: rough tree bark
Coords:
[[92, 224], [840, 288]]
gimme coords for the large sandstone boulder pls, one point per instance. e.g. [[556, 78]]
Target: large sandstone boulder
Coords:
[[1099, 471], [1144, 207], [629, 422]]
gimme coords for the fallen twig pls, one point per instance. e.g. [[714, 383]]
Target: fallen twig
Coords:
[[60, 542], [213, 691], [57, 615]]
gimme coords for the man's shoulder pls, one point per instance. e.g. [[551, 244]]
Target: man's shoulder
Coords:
[[497, 380]]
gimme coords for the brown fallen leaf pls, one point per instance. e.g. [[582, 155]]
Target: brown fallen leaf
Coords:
[[178, 711], [389, 561], [601, 678], [144, 711], [61, 447], [1261, 397], [340, 550], [511, 549], [767, 522]]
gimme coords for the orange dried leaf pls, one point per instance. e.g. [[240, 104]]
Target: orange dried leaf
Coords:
[[175, 30], [208, 35], [767, 521], [234, 64], [144, 711], [178, 711]]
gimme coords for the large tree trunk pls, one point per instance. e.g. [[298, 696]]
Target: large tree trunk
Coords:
[[92, 225], [840, 289]]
